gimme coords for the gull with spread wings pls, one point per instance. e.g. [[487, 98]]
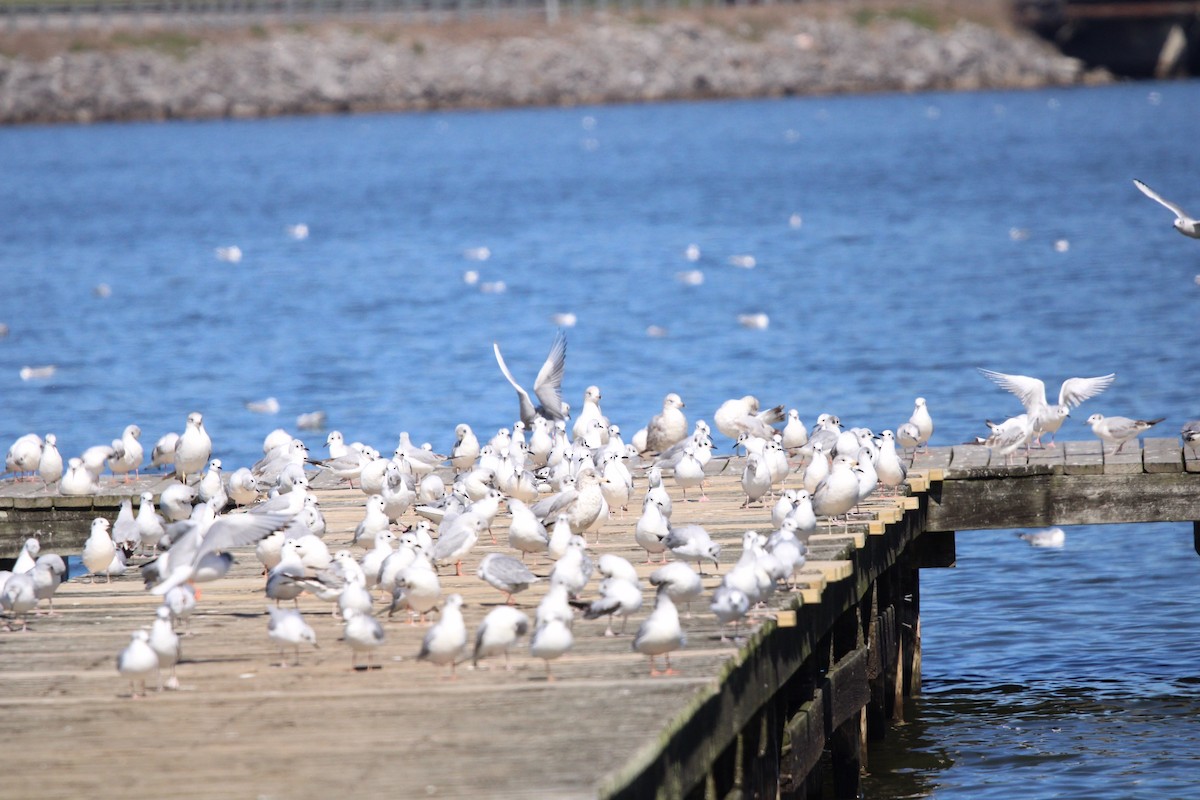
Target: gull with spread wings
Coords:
[[547, 387], [1046, 418], [1188, 226]]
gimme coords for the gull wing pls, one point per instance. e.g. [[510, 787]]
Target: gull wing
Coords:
[[527, 411], [1156, 197], [1030, 391], [1075, 390], [548, 384]]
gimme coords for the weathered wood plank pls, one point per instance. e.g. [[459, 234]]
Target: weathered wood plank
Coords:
[[1127, 462], [1044, 500], [1162, 455]]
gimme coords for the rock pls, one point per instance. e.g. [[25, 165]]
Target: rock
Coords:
[[608, 60]]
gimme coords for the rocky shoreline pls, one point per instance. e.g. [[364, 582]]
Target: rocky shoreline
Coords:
[[336, 68]]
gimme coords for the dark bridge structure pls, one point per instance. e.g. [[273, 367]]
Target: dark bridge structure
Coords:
[[1133, 38]]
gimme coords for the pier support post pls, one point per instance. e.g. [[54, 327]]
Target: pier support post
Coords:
[[1196, 537], [845, 748]]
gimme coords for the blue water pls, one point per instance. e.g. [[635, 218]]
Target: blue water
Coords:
[[1074, 674]]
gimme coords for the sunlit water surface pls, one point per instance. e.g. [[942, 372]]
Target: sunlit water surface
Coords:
[[899, 242]]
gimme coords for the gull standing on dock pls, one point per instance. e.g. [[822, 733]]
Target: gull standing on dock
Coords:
[[651, 528], [693, 541], [77, 481], [1188, 226], [194, 448], [163, 452], [547, 386], [741, 415], [1009, 436], [287, 628], [1044, 417], [550, 641], [137, 661], [617, 596], [99, 550], [444, 642], [50, 465], [679, 581], [500, 630], [668, 426], [362, 633], [506, 573], [1119, 430], [19, 596], [660, 633], [923, 422], [838, 492], [24, 455], [165, 644], [1191, 435]]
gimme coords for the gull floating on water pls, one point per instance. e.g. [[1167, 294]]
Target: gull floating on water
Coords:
[[1050, 537], [38, 373], [231, 254], [1188, 226], [267, 405], [299, 231]]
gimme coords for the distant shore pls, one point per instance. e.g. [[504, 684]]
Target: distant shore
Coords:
[[345, 67]]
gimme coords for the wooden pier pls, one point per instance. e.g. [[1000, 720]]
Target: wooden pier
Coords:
[[790, 709]]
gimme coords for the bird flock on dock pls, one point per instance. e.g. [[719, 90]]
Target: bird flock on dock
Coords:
[[559, 478]]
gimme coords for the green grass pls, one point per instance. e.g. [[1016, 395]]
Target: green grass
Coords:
[[921, 17], [171, 43]]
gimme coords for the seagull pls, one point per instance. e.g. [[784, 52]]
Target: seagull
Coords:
[[499, 631], [24, 455], [1006, 437], [551, 640], [838, 492], [77, 480], [194, 447], [444, 642], [742, 415], [1050, 537], [50, 465], [19, 596], [192, 543], [137, 661], [1119, 430], [617, 596], [457, 538], [1191, 435], [667, 427], [506, 573], [729, 605], [1188, 226], [547, 386], [679, 581], [652, 527], [165, 644], [1032, 394], [363, 633], [526, 533], [99, 550], [164, 450], [923, 422], [660, 633], [693, 541]]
